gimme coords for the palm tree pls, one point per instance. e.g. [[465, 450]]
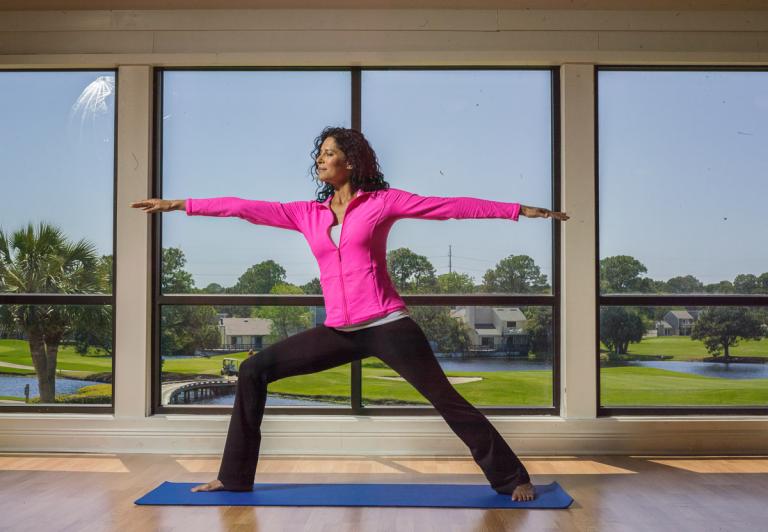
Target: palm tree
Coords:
[[44, 262]]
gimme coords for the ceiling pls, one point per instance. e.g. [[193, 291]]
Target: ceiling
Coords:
[[650, 5]]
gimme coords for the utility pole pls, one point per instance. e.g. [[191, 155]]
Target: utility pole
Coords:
[[449, 258]]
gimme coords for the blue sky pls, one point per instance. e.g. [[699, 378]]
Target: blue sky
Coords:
[[221, 146], [682, 162], [684, 171], [57, 162]]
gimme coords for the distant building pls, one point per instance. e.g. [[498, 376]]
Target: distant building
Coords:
[[663, 328], [494, 328], [243, 333], [677, 323]]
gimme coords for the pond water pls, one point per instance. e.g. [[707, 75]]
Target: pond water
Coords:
[[271, 401], [491, 364], [710, 369], [13, 385]]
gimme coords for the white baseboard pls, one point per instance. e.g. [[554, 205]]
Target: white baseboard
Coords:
[[379, 435]]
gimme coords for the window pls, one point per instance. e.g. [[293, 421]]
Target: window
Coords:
[[683, 272], [57, 144], [485, 133], [246, 133]]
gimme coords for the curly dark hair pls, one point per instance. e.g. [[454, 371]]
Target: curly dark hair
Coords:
[[365, 175]]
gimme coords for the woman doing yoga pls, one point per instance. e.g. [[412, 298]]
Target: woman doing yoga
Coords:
[[365, 316]]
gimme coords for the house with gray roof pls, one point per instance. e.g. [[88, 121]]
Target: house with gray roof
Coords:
[[243, 333], [494, 328], [676, 323]]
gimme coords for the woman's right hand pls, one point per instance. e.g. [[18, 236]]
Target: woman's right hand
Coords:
[[156, 205]]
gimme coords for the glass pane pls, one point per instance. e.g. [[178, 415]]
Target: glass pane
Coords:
[[682, 164], [202, 347], [482, 134], [57, 153], [250, 135], [683, 356], [493, 356], [58, 354]]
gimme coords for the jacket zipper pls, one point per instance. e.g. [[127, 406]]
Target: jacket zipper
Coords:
[[341, 271], [341, 280]]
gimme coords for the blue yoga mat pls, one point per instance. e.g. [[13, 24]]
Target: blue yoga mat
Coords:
[[415, 495]]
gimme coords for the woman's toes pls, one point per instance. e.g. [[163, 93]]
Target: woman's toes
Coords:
[[524, 492], [210, 486]]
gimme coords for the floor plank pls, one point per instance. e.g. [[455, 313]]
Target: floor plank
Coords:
[[84, 492]]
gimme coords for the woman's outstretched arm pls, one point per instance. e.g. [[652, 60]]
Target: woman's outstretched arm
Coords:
[[540, 212], [272, 213], [404, 204], [159, 205]]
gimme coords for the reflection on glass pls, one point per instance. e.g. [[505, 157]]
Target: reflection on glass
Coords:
[[493, 356], [60, 354], [478, 133], [57, 148], [202, 347], [682, 167], [683, 356]]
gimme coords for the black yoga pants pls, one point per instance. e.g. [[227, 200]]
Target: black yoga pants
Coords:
[[402, 345]]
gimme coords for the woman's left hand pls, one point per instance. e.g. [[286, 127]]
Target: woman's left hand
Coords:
[[540, 212]]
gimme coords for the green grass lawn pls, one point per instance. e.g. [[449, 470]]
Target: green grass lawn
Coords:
[[200, 365], [497, 387], [633, 386], [682, 348], [17, 352], [619, 386]]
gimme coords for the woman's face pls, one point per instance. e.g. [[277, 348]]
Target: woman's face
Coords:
[[332, 165]]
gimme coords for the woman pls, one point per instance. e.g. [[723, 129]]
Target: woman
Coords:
[[365, 314]]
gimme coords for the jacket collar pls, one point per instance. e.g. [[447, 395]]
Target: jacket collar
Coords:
[[359, 193]]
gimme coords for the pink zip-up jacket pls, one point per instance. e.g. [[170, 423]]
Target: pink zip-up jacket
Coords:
[[354, 278]]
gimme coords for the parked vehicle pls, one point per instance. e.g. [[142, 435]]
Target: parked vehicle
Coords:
[[230, 366]]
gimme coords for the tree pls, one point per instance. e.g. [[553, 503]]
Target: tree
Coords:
[[721, 327], [450, 334], [285, 320], [517, 274], [619, 327], [258, 279], [455, 283], [213, 288], [175, 279], [411, 272], [687, 284], [34, 261], [184, 328], [747, 283], [93, 327], [723, 287], [621, 273], [312, 287], [538, 325], [763, 283]]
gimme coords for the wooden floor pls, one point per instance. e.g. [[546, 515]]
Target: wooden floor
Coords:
[[95, 492]]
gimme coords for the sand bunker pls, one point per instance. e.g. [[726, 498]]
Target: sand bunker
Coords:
[[452, 380]]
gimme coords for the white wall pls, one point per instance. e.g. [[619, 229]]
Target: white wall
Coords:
[[134, 41]]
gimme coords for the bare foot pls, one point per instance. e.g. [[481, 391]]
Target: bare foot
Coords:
[[214, 485], [524, 492]]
